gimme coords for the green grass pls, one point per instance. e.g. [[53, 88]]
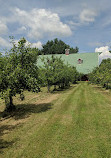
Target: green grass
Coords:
[[75, 123]]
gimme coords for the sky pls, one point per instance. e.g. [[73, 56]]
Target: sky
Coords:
[[82, 23]]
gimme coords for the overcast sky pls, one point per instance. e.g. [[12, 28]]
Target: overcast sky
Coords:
[[82, 23]]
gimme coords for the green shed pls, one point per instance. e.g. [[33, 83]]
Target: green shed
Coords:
[[84, 62]]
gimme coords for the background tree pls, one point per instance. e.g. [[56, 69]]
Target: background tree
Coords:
[[102, 74], [57, 47], [55, 72]]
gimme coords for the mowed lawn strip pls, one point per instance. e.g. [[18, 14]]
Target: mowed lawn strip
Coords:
[[17, 132], [84, 128], [77, 126]]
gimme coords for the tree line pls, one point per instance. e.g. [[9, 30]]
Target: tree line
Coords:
[[55, 46], [19, 71], [102, 75], [55, 72]]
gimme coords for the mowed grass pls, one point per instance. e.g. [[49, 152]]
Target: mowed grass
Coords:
[[75, 123]]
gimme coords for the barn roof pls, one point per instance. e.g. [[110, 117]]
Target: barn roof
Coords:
[[88, 61]]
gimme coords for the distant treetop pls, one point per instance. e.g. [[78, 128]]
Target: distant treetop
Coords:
[[57, 47]]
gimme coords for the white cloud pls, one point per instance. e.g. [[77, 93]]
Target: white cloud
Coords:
[[84, 16], [88, 15], [22, 29], [104, 52], [32, 45], [40, 23], [3, 28], [37, 45], [4, 43], [73, 24]]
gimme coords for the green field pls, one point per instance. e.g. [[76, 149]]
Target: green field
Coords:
[[74, 123]]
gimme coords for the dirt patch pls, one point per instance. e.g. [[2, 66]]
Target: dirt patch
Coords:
[[48, 99], [37, 101], [66, 119]]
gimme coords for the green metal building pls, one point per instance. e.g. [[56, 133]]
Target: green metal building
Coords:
[[84, 62]]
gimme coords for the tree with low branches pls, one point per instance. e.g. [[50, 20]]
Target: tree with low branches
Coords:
[[19, 72], [55, 72]]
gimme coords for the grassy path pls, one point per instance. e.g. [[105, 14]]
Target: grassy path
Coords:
[[78, 126]]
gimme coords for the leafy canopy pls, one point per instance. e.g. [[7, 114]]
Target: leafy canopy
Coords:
[[57, 47], [55, 72], [102, 74], [18, 70]]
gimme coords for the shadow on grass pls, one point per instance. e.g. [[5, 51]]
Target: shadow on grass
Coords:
[[22, 111], [102, 87], [4, 129], [63, 89], [25, 110], [5, 144]]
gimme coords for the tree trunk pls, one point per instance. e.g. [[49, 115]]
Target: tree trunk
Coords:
[[48, 88], [62, 85], [107, 86], [9, 104], [54, 88], [22, 97]]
